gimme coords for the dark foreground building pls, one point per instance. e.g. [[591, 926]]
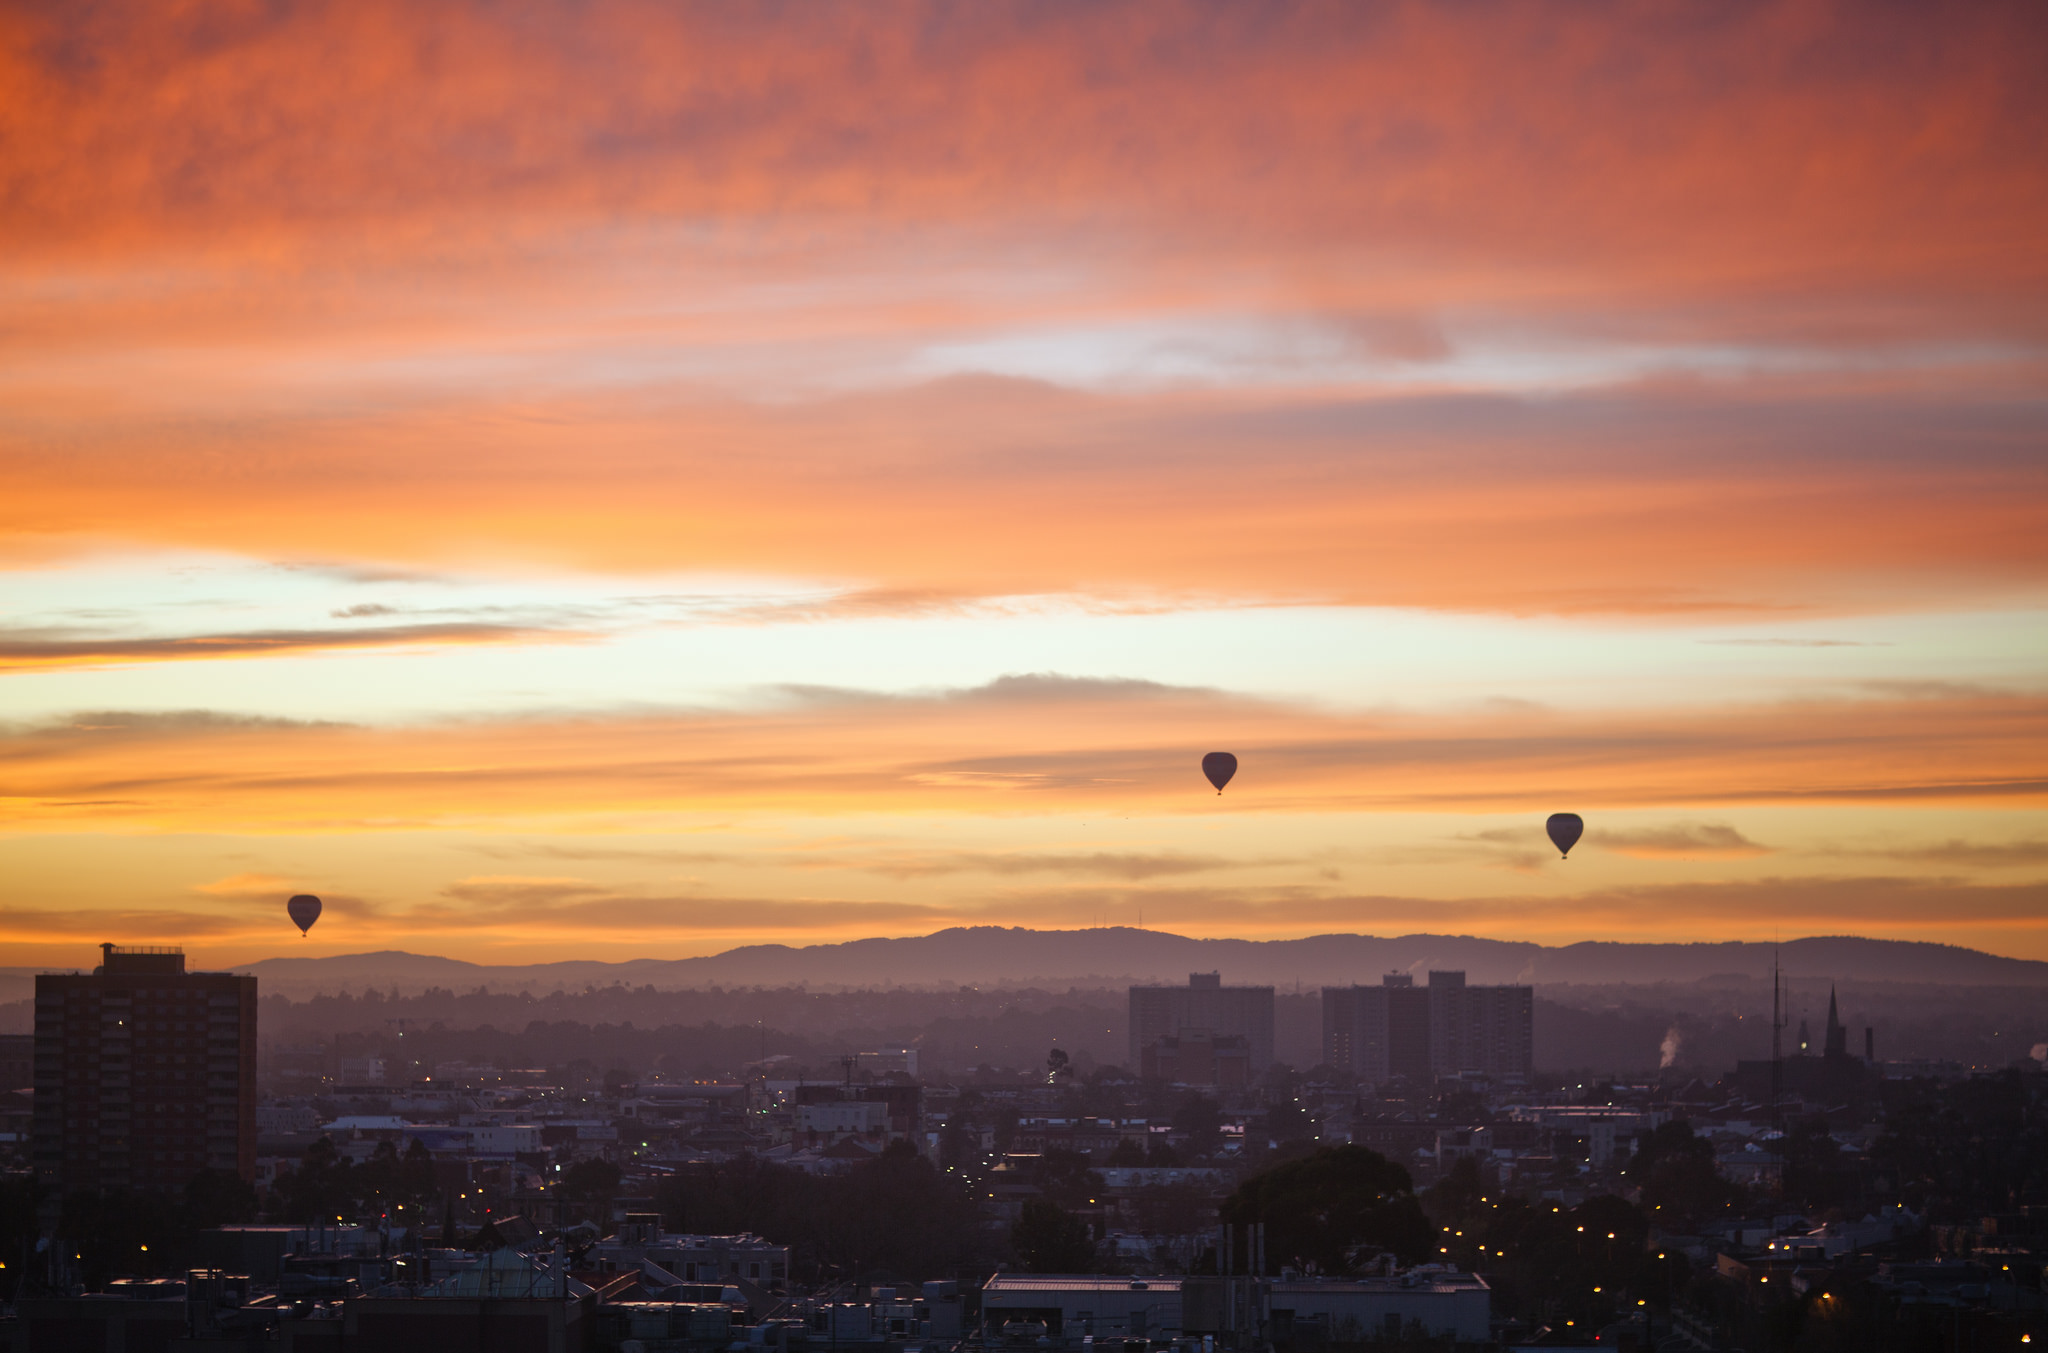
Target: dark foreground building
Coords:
[[145, 1074]]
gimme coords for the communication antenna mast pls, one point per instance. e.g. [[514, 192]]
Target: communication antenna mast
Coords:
[[1777, 1057]]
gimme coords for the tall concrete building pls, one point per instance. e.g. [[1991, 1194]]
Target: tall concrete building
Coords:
[[1204, 1009], [1379, 1032], [145, 1074], [1444, 1029]]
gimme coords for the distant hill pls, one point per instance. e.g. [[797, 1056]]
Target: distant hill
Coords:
[[998, 956]]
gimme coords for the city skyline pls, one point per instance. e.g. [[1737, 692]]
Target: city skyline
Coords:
[[637, 481]]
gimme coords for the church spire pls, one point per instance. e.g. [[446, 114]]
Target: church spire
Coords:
[[1837, 1037]]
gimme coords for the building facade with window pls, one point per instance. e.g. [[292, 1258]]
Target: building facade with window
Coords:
[[145, 1074], [1205, 1012], [1447, 1028]]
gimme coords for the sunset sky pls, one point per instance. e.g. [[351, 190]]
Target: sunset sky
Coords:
[[605, 480]]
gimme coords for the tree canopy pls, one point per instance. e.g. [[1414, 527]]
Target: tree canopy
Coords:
[[1334, 1211]]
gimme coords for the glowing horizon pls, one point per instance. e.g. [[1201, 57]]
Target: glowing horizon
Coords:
[[632, 475]]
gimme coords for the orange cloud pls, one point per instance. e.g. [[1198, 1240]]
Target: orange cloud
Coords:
[[1029, 746], [406, 284], [1807, 140], [249, 885], [1682, 841], [19, 651], [1646, 502]]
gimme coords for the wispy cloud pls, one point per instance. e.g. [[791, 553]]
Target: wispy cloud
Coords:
[[1130, 866], [23, 651], [1679, 841], [571, 905], [1960, 853], [1797, 643], [248, 885], [1084, 747]]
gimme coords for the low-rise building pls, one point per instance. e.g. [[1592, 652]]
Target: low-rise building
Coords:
[[1437, 1303], [695, 1258], [1083, 1304]]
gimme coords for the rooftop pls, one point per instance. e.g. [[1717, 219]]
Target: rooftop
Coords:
[[1078, 1282], [1413, 1282]]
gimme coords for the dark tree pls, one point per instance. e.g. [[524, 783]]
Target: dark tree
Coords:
[[1174, 1210], [1050, 1239], [1126, 1153], [589, 1186], [218, 1198], [1675, 1170], [1335, 1210], [323, 1186], [1067, 1178], [1460, 1196], [1548, 1263], [417, 1182], [376, 1181], [896, 1212], [20, 1198], [1960, 1149], [957, 1146], [1814, 1173], [118, 1234], [1287, 1121], [591, 1179], [900, 1214]]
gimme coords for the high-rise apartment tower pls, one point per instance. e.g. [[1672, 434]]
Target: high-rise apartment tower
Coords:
[[145, 1074], [1444, 1029], [1206, 1008]]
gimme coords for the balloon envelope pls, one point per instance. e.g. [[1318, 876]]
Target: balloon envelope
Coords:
[[1219, 767], [304, 910], [1565, 830]]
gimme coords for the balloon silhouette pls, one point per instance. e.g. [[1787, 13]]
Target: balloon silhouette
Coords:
[[1219, 767], [1565, 830], [304, 910]]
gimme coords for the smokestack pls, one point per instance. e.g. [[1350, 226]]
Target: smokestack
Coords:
[[1869, 1044]]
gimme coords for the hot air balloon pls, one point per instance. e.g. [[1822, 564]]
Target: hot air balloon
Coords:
[[1565, 830], [1219, 767], [304, 910]]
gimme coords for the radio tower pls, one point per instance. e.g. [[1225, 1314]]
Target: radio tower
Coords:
[[1777, 1059]]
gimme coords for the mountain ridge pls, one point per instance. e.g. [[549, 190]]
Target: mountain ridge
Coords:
[[1112, 956], [1115, 956]]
